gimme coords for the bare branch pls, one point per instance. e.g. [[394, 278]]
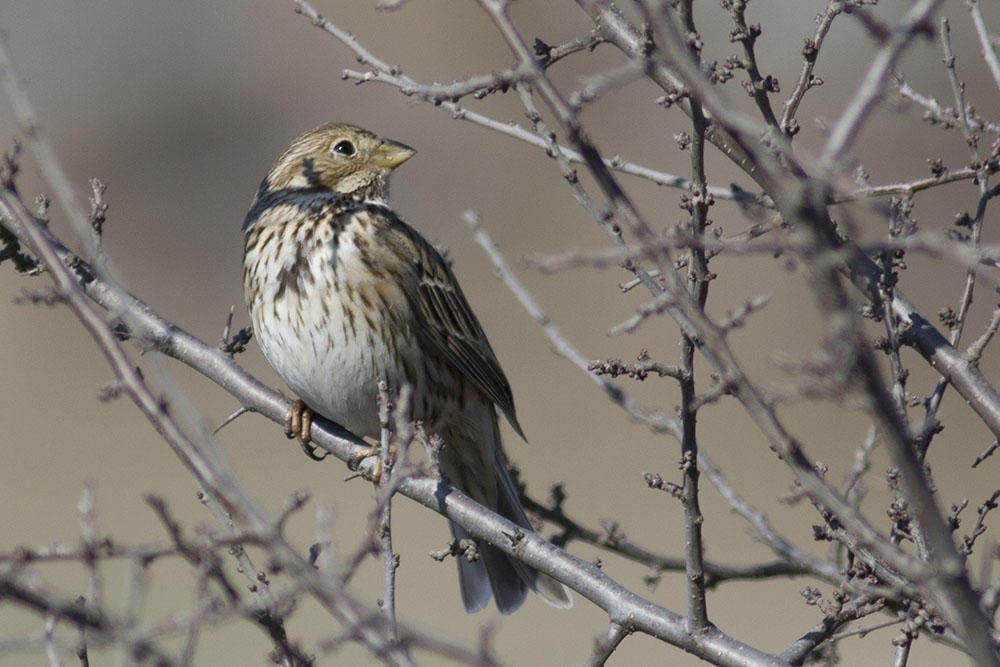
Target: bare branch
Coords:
[[989, 54], [869, 91]]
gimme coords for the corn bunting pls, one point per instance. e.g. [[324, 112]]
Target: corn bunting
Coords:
[[342, 292]]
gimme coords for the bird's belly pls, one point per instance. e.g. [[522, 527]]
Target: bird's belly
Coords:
[[335, 368], [336, 381], [333, 351]]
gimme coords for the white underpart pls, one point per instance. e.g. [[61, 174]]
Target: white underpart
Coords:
[[327, 364]]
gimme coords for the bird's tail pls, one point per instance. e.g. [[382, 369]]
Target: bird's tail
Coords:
[[496, 573]]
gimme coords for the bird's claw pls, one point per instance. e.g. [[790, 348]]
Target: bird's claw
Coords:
[[298, 424], [354, 463]]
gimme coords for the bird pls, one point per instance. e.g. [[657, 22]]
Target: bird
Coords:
[[343, 293]]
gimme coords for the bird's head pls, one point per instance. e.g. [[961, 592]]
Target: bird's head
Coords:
[[340, 158]]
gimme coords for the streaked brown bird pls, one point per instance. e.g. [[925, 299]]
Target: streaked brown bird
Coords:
[[342, 292]]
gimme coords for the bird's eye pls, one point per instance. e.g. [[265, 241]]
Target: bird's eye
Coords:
[[345, 148]]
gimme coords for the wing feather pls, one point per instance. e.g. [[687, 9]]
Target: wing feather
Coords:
[[451, 328]]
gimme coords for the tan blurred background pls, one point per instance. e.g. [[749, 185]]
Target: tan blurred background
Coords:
[[181, 107]]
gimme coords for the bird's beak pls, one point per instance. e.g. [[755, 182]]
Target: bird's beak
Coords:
[[391, 154]]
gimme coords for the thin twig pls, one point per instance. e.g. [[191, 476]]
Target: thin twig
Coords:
[[986, 453], [383, 526], [560, 345], [870, 90], [974, 353], [989, 54], [698, 277], [606, 645], [810, 54]]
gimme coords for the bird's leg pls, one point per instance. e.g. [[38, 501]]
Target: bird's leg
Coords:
[[298, 423]]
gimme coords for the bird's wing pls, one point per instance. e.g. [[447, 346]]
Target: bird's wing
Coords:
[[452, 329]]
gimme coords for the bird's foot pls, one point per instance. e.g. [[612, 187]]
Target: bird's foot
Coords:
[[298, 423], [375, 450]]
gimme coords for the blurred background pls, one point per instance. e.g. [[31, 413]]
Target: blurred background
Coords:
[[181, 107]]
